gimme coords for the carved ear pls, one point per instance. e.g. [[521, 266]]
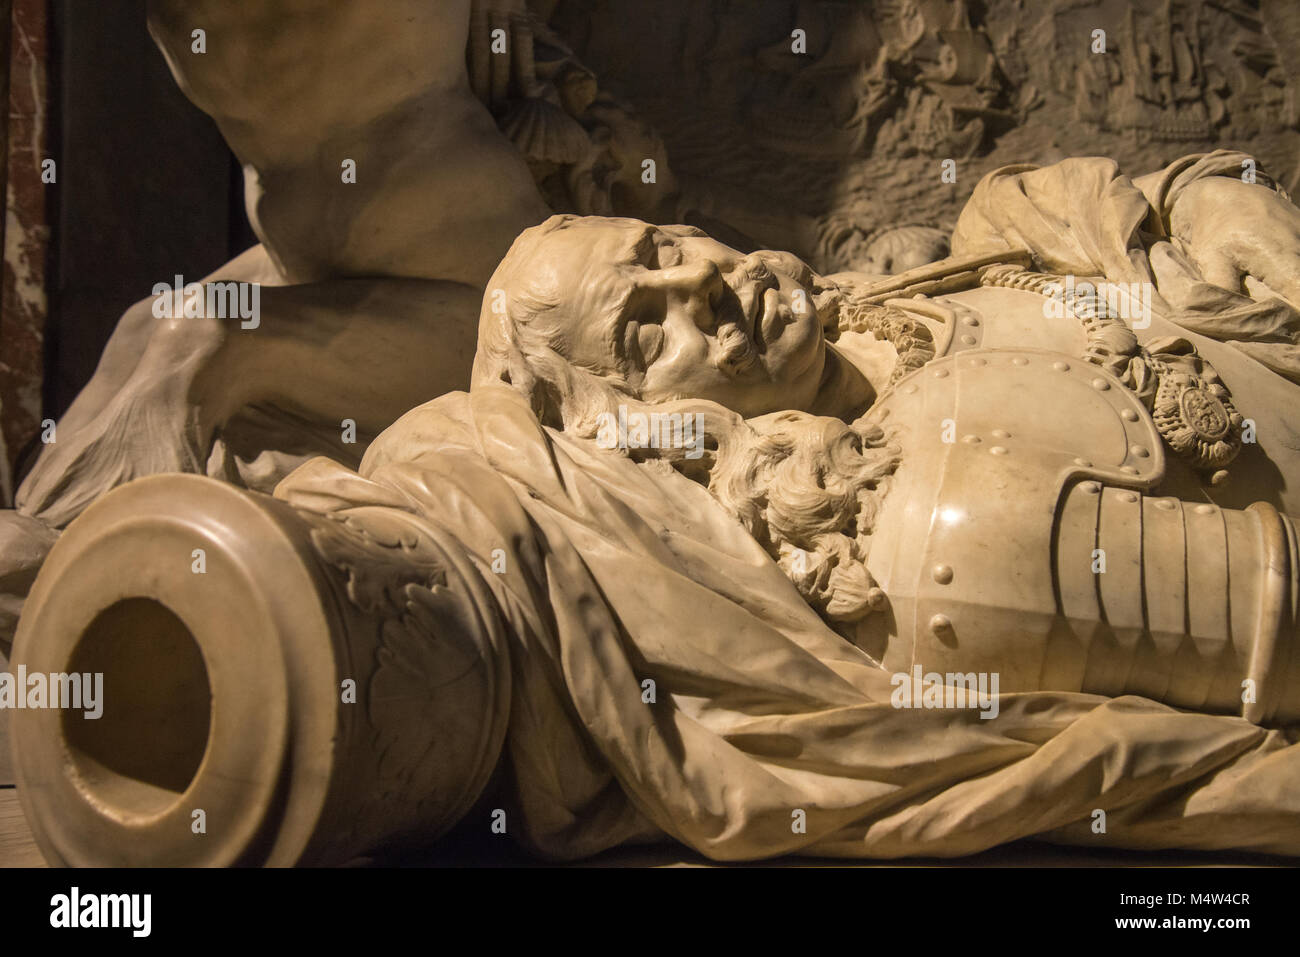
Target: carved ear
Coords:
[[540, 393], [545, 396], [503, 361]]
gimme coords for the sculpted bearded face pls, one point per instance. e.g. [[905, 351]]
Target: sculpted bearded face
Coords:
[[669, 311], [655, 314]]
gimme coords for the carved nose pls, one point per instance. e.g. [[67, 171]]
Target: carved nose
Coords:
[[698, 284], [701, 280]]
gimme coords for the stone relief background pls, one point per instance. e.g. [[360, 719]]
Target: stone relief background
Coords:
[[827, 148], [827, 152]]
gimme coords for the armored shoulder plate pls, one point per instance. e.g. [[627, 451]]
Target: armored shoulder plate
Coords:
[[991, 439]]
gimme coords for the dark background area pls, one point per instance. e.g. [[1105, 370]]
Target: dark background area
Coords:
[[147, 187]]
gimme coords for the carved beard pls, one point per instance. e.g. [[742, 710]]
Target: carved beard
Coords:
[[738, 352], [808, 488]]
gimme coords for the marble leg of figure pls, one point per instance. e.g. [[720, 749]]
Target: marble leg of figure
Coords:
[[359, 350], [385, 166], [131, 336], [328, 351], [437, 194], [61, 475], [77, 465]]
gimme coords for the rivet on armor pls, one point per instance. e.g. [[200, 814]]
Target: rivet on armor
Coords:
[[971, 439], [968, 340], [1061, 366], [977, 362], [1084, 463], [1001, 434], [1141, 451], [1205, 510], [910, 390], [970, 320], [998, 450], [1128, 415], [1092, 488], [1129, 497], [942, 573], [1020, 361], [1166, 504], [940, 624], [1128, 470], [941, 373], [1100, 384]]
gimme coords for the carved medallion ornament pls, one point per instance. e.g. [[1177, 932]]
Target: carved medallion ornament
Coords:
[[1198, 420]]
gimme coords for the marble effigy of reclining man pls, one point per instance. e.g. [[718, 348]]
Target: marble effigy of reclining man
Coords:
[[919, 473]]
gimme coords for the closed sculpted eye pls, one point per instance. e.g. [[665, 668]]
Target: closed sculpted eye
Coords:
[[791, 265], [643, 335], [669, 255], [643, 342], [650, 341]]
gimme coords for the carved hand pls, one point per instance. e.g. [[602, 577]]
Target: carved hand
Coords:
[[1243, 237]]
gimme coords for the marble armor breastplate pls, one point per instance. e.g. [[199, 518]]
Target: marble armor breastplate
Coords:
[[1020, 537]]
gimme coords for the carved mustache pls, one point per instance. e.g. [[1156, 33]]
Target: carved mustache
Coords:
[[737, 351], [741, 318]]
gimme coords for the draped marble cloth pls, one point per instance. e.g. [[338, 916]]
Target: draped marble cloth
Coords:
[[1083, 217], [618, 572]]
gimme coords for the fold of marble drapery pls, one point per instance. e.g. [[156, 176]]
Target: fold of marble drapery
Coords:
[[1084, 217], [618, 573]]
